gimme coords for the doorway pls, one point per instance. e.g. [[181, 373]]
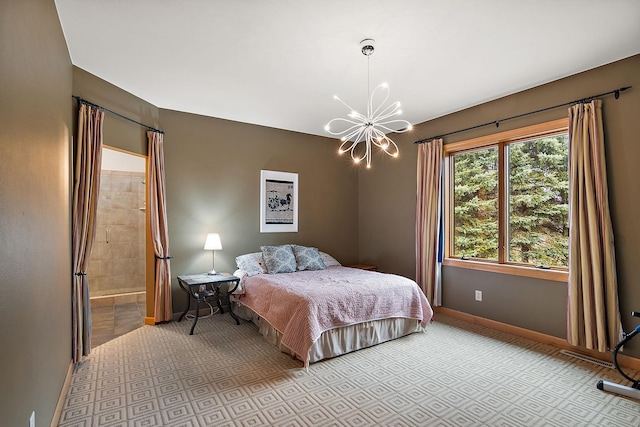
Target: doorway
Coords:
[[117, 268]]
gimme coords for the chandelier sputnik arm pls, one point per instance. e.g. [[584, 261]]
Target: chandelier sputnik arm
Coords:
[[371, 128]]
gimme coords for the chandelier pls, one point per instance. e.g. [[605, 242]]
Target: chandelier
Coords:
[[370, 128]]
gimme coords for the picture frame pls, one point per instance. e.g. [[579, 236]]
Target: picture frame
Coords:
[[278, 202]]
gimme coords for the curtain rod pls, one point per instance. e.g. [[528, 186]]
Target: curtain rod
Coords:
[[497, 122], [84, 101]]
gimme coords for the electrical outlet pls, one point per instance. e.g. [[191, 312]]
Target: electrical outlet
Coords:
[[478, 295], [32, 419]]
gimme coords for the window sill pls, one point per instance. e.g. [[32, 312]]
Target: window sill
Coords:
[[514, 270]]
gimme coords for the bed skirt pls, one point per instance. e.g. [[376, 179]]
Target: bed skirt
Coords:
[[338, 341]]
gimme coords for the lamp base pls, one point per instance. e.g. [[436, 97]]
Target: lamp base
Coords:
[[212, 273]]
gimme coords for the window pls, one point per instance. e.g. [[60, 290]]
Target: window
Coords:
[[475, 204], [507, 201]]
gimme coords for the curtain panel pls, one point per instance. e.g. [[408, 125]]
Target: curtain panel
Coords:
[[593, 311], [163, 310], [428, 220], [86, 187]]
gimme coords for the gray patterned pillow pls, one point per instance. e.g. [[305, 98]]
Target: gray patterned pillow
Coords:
[[251, 264], [308, 258], [279, 259]]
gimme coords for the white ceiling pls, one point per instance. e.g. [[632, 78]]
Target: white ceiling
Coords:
[[278, 63]]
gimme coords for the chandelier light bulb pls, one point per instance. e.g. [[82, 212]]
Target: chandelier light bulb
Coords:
[[370, 129]]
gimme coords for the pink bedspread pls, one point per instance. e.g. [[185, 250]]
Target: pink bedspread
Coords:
[[304, 304]]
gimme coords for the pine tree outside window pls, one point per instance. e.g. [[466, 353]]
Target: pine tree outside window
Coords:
[[475, 204], [538, 196]]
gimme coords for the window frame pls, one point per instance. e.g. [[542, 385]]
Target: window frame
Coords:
[[500, 140]]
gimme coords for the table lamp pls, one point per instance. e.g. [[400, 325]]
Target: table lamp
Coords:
[[213, 244]]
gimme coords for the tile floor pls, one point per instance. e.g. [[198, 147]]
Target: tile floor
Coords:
[[116, 315]]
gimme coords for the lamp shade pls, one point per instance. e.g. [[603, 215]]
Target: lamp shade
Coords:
[[213, 242]]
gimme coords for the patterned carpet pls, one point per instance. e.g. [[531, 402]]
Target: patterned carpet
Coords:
[[455, 374]]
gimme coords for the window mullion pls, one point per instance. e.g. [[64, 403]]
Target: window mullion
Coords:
[[448, 206], [502, 203]]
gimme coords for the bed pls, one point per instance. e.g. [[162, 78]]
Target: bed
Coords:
[[307, 304]]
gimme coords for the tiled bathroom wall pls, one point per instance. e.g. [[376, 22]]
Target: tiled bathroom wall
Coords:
[[117, 263]]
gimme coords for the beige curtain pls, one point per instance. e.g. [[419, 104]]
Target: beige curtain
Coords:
[[159, 231], [428, 218], [593, 311], [86, 186]]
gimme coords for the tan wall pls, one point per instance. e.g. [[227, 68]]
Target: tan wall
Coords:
[[387, 196], [213, 177], [35, 230], [118, 132]]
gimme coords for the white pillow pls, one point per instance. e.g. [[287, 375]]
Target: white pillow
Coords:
[[240, 289], [329, 260], [251, 264]]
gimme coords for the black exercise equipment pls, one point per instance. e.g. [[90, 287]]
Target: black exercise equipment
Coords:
[[634, 390]]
